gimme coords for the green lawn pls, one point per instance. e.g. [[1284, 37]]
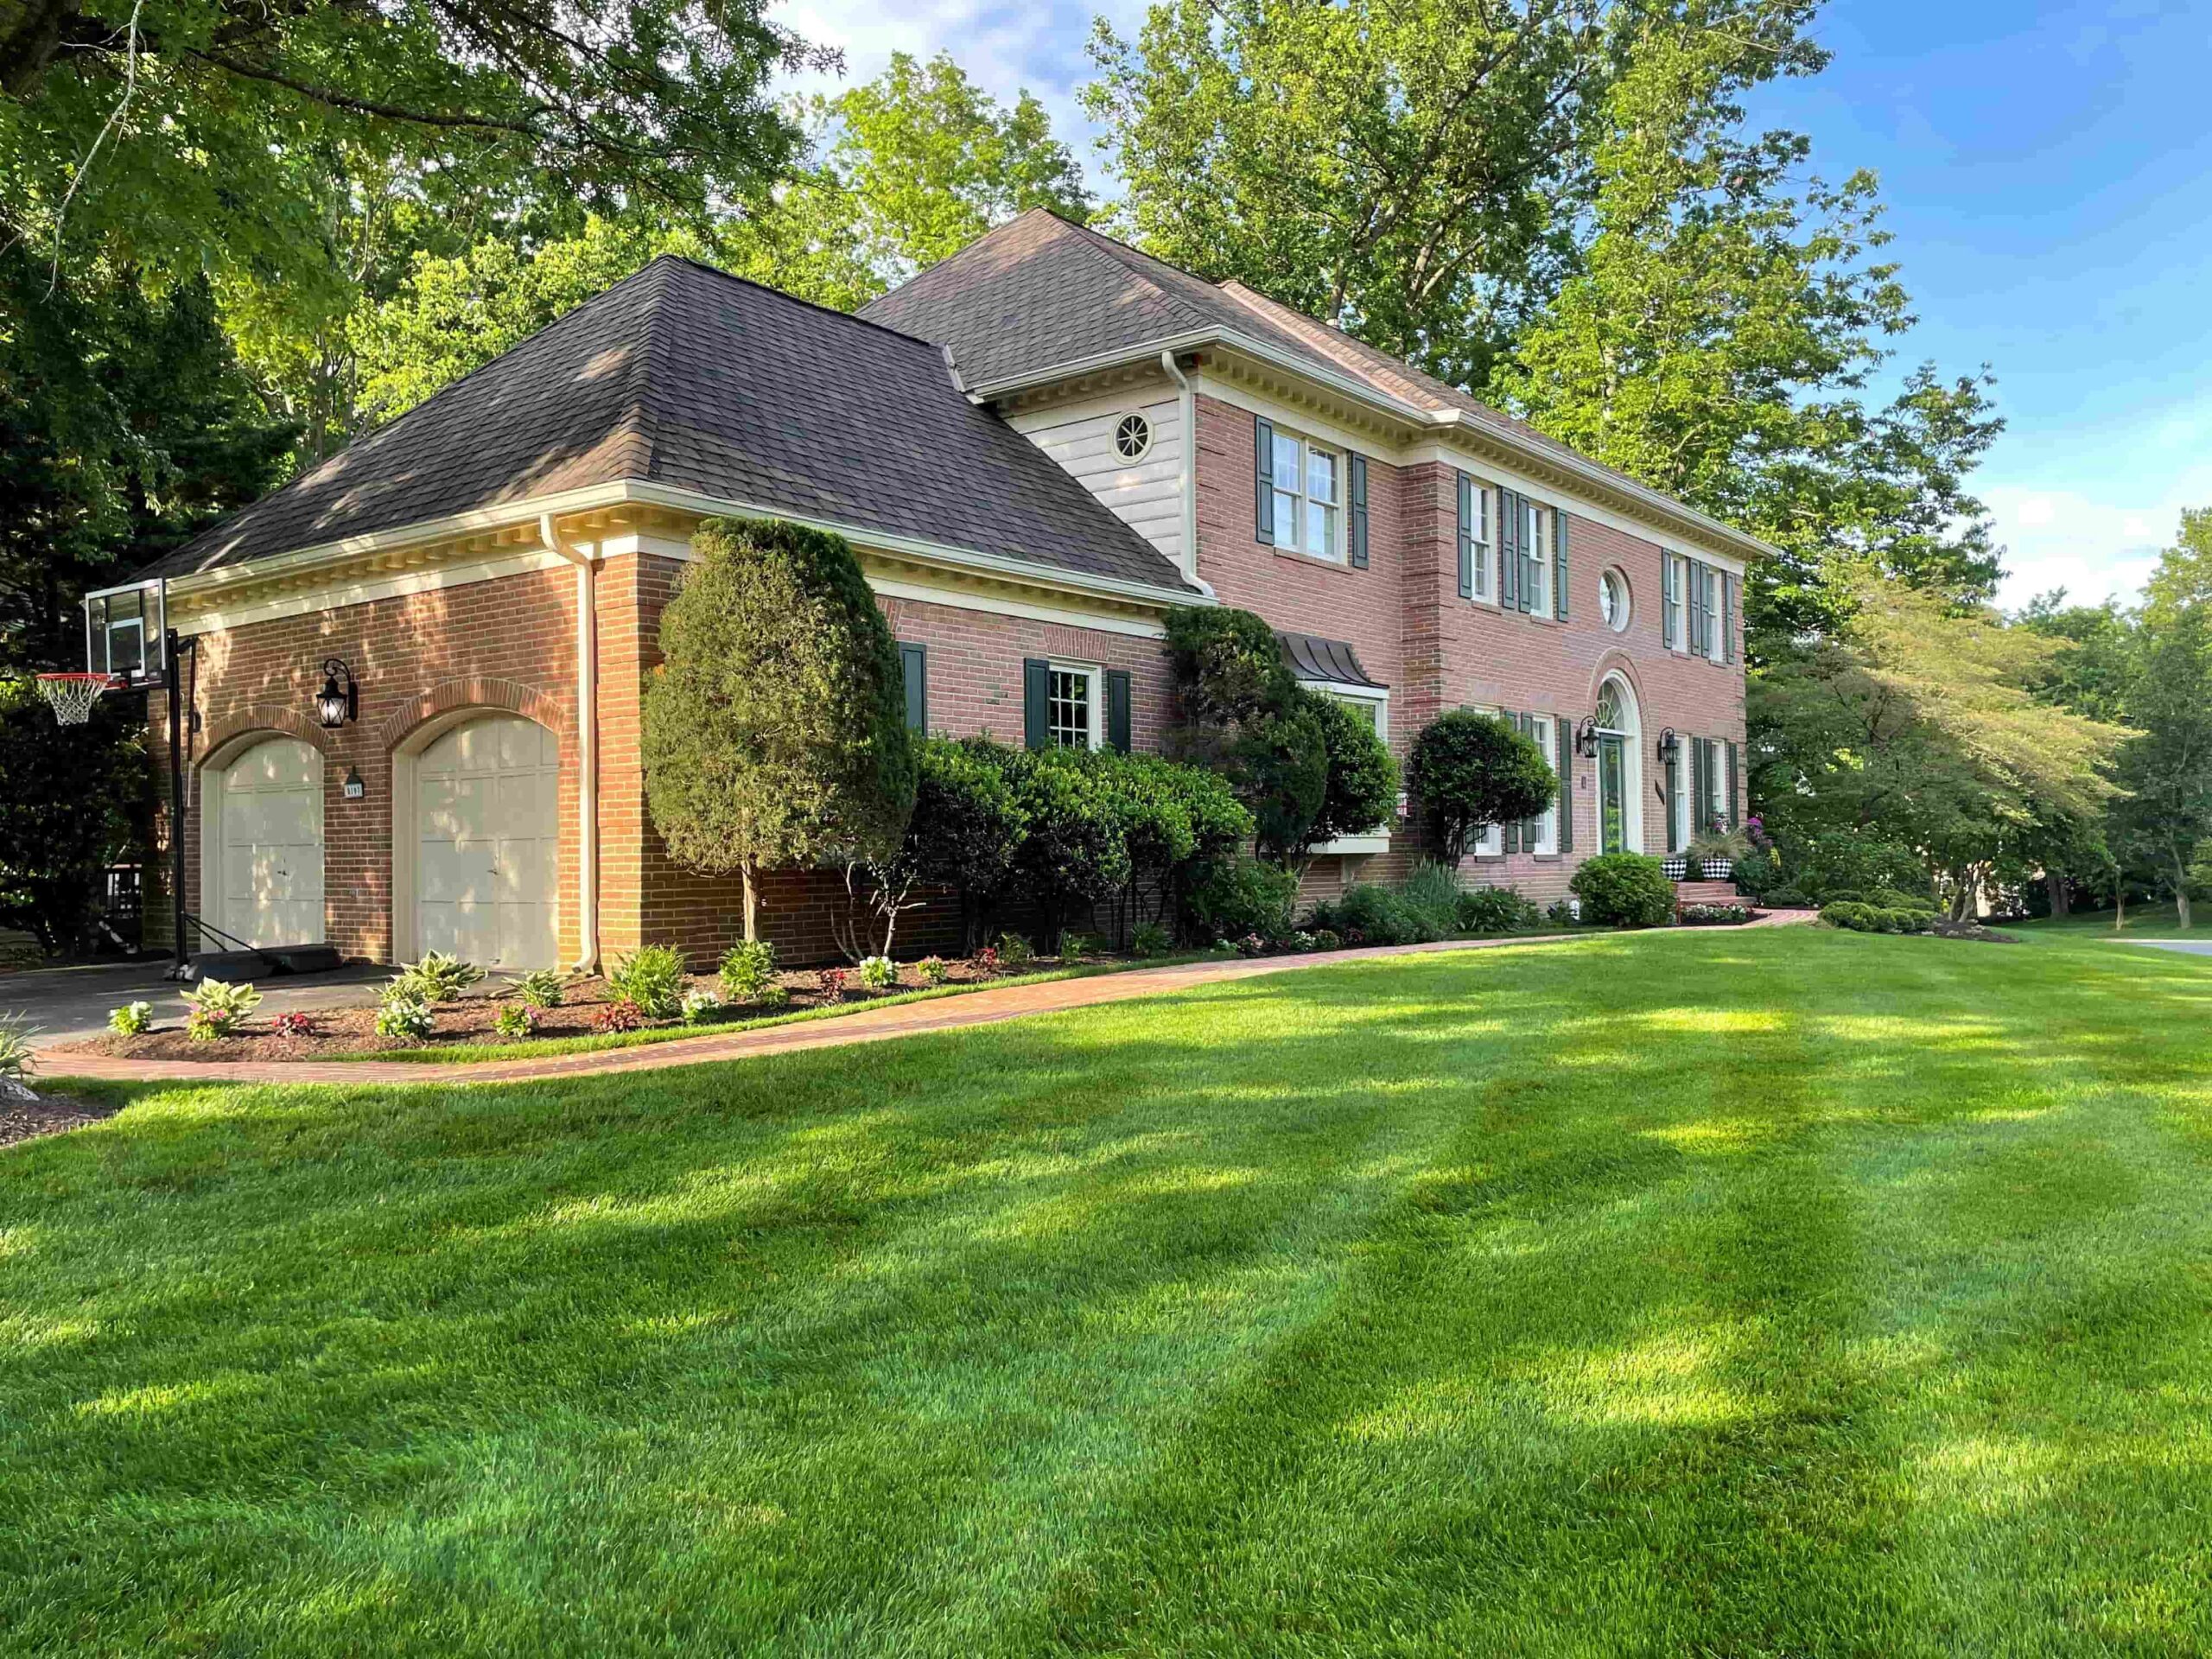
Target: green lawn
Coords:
[[2144, 921], [1774, 1292]]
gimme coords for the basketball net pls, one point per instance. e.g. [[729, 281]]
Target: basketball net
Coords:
[[72, 695]]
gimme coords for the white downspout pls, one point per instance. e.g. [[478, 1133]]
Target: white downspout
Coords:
[[1187, 420], [587, 740]]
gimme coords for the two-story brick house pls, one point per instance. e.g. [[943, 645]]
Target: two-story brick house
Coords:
[[1037, 447]]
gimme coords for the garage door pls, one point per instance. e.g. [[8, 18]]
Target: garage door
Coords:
[[270, 829], [487, 858]]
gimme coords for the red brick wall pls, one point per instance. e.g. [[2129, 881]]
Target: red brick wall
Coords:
[[1437, 650]]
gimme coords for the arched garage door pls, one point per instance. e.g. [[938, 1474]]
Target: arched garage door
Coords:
[[488, 852], [266, 837]]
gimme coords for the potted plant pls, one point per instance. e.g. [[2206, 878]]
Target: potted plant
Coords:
[[1713, 852]]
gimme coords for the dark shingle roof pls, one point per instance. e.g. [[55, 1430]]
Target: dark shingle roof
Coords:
[[1039, 292], [688, 376], [1312, 658]]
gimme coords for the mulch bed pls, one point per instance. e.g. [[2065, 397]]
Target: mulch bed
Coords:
[[26, 1120], [348, 1033]]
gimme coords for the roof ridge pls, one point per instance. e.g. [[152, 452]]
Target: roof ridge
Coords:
[[800, 299], [1133, 260]]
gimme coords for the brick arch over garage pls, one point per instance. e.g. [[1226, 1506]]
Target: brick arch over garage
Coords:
[[480, 692], [224, 730]]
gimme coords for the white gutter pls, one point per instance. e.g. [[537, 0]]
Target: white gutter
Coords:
[[1359, 392], [1188, 419], [585, 560]]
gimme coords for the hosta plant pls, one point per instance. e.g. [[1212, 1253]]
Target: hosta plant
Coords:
[[1151, 939], [1016, 951], [702, 1006], [542, 989], [516, 1019], [748, 972], [878, 973], [15, 1054], [219, 1007], [404, 1018], [437, 978], [131, 1019], [652, 977], [932, 970]]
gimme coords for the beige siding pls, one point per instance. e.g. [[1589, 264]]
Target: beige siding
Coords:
[[1145, 494]]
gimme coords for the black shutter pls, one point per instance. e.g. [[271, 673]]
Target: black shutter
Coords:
[[1699, 645], [1036, 690], [1559, 583], [1264, 444], [914, 666], [1735, 805], [1466, 536], [1563, 732], [1673, 794], [1700, 790], [1359, 512], [1117, 709], [1727, 618], [1508, 549]]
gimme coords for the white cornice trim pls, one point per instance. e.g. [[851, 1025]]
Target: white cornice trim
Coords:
[[1453, 422], [210, 584]]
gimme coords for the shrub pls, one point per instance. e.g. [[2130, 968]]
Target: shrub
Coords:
[[1327, 938], [1378, 915], [1787, 899], [1239, 895], [775, 728], [218, 1008], [832, 983], [1624, 890], [295, 1024], [1076, 852], [1229, 664], [701, 1005], [620, 1014], [1078, 945], [1891, 899], [541, 988], [1361, 790], [878, 973], [969, 823], [1498, 910], [15, 1051], [987, 959], [652, 977], [748, 972], [1151, 939], [1251, 945], [404, 1018], [1560, 913], [1013, 952], [1432, 895], [1839, 862], [1469, 771], [131, 1019], [932, 970], [437, 978], [1879, 919], [516, 1019]]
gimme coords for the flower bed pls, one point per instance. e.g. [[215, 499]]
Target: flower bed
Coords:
[[1714, 915]]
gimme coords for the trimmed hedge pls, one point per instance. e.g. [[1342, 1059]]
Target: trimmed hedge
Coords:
[[1879, 919], [1624, 890]]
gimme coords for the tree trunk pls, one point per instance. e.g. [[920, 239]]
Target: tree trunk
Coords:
[[752, 906], [2181, 892], [2119, 907], [2061, 904]]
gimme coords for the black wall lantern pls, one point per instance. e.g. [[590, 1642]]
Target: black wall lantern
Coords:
[[340, 700], [1670, 748], [1586, 737]]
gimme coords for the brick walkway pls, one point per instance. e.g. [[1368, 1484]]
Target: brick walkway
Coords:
[[864, 1025]]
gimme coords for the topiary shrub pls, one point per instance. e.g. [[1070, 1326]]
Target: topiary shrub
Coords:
[[1239, 894], [1468, 771], [1498, 910], [1624, 890]]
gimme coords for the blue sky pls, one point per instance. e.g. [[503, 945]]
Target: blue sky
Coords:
[[2049, 174]]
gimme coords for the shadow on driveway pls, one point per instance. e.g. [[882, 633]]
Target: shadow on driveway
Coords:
[[63, 1004]]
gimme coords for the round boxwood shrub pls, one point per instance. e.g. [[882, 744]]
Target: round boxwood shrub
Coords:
[[1624, 890], [1236, 895]]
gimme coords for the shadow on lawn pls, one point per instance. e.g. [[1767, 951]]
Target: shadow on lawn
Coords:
[[1660, 1292]]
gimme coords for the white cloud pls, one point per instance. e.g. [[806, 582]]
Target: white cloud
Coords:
[[2092, 545]]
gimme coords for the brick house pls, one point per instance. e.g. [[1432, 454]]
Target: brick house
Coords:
[[1037, 449]]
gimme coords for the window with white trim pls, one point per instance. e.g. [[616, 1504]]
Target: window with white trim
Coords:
[[1481, 550], [1491, 844], [1375, 711], [1072, 705], [1544, 734], [1613, 604], [1681, 805], [1715, 804], [1308, 482], [1673, 596], [1536, 566]]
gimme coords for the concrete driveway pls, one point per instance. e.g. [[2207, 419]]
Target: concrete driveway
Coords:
[[2187, 947], [62, 1004]]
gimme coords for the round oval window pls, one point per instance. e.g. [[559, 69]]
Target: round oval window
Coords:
[[1613, 599], [1133, 437]]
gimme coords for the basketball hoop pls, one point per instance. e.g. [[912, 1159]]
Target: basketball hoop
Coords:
[[72, 695]]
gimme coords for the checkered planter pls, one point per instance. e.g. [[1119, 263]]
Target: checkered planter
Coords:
[[1678, 869]]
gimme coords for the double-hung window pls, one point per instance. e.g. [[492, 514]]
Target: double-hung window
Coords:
[[1541, 730], [1542, 733], [1672, 592], [1536, 558], [1072, 705], [1715, 805], [1308, 483]]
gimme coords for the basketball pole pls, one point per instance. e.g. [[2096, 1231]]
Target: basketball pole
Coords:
[[172, 647]]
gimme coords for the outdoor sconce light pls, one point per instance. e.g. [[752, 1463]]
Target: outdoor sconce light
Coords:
[[1670, 748], [1586, 737], [340, 700]]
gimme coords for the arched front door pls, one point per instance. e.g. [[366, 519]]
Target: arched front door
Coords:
[[1620, 769], [263, 871], [487, 859]]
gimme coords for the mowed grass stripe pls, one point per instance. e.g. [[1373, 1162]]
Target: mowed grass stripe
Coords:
[[1639, 1296]]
